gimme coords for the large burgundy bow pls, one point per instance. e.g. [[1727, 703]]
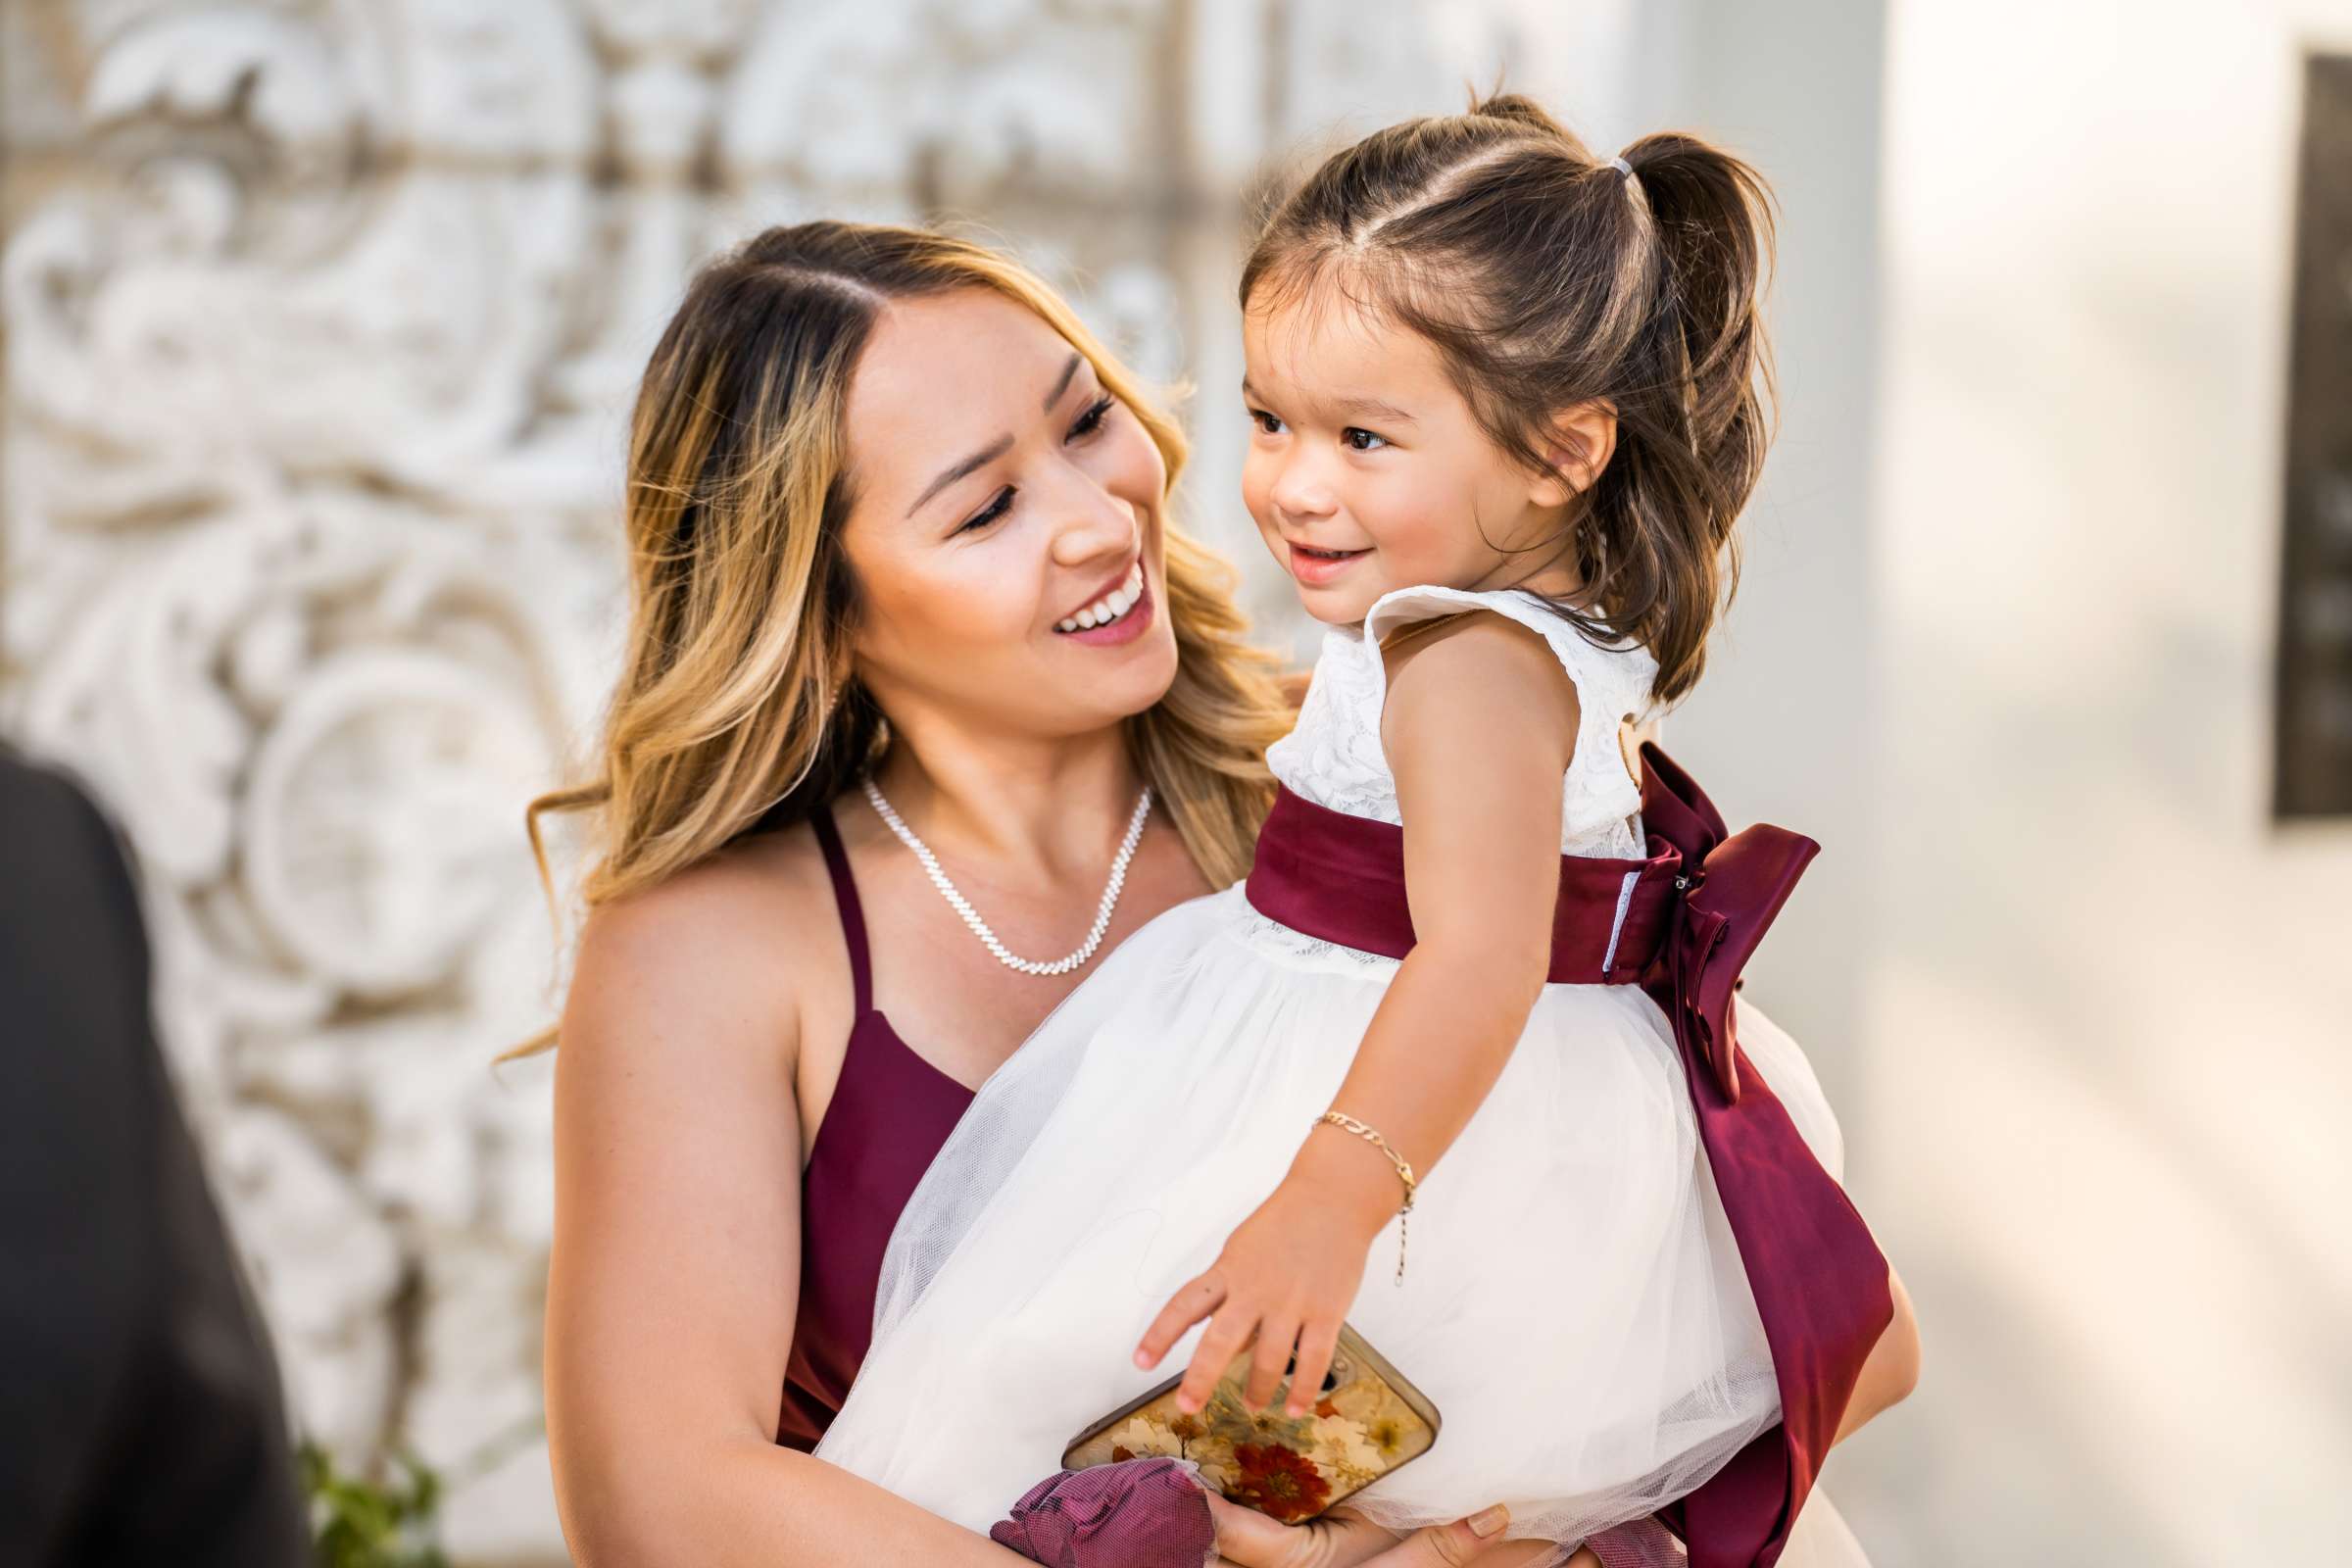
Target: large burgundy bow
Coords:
[[1732, 887], [1820, 1283]]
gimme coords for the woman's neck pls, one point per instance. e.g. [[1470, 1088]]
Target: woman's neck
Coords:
[[1037, 809]]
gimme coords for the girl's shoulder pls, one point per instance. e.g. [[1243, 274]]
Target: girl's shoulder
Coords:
[[1616, 674], [1471, 683], [1478, 643]]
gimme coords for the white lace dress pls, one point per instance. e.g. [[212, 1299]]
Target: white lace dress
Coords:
[[1575, 1305]]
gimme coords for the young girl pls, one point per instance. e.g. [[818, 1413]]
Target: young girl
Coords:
[[1505, 407]]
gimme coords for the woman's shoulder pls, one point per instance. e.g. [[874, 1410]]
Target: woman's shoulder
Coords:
[[730, 942]]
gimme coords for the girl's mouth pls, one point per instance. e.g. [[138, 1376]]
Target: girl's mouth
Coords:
[[1315, 567], [1119, 616]]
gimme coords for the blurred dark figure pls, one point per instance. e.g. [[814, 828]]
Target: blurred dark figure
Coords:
[[140, 1415]]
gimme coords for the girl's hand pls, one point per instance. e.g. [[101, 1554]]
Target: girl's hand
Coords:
[[1285, 1279]]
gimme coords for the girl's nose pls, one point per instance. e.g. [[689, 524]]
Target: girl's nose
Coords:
[[1300, 493]]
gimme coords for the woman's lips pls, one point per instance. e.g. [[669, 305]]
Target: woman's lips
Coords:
[[1126, 629], [1315, 567]]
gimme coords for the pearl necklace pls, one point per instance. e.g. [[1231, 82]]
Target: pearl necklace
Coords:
[[971, 916]]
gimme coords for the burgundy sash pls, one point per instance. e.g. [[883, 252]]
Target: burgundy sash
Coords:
[[1694, 911]]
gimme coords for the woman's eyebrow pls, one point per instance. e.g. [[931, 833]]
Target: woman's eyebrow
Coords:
[[994, 449], [957, 471], [1061, 385]]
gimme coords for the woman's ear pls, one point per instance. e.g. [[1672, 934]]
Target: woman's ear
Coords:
[[1578, 443]]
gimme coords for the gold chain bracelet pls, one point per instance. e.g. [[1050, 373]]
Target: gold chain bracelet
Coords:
[[1404, 1172]]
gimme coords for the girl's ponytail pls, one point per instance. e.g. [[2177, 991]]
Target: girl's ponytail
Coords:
[[1712, 217]]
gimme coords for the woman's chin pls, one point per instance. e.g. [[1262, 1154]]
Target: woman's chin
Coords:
[[1121, 682]]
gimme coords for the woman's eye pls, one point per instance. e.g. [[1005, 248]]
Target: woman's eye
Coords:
[[1092, 420], [1267, 422], [1360, 439], [991, 513]]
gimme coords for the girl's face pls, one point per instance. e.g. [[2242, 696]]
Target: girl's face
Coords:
[[1005, 525], [1366, 470]]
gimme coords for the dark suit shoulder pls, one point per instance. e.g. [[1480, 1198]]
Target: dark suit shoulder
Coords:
[[64, 873]]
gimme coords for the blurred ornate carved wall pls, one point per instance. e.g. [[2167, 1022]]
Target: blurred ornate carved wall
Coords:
[[319, 320]]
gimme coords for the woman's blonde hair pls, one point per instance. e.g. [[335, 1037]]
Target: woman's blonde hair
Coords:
[[737, 705]]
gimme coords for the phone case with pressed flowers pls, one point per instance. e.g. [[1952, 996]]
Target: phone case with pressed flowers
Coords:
[[1368, 1422]]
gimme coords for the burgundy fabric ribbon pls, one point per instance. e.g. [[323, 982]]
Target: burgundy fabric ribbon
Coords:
[[1697, 906], [1140, 1513]]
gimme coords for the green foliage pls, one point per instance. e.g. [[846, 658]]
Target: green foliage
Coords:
[[371, 1524]]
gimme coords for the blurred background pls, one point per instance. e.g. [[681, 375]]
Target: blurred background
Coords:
[[320, 318]]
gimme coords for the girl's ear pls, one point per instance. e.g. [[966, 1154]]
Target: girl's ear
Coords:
[[1580, 442]]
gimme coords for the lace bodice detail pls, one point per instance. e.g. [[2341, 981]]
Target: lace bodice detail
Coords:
[[1333, 756]]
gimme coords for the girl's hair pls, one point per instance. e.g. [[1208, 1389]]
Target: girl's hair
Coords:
[[738, 706], [1547, 277]]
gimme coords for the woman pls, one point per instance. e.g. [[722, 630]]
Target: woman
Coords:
[[873, 472]]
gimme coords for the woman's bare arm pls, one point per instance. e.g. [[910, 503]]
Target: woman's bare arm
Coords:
[[1891, 1370], [676, 1263]]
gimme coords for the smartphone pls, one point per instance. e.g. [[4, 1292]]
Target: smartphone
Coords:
[[1366, 1422]]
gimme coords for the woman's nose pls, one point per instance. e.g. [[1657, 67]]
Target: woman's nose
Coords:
[[1094, 525]]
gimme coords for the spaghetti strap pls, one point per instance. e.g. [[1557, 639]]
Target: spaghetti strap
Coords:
[[845, 899]]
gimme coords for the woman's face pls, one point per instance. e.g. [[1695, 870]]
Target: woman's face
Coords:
[[1005, 525]]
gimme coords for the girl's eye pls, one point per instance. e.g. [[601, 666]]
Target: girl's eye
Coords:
[[1269, 423], [1092, 420], [991, 513], [1359, 439]]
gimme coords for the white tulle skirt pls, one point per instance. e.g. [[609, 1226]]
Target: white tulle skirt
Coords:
[[1574, 1303]]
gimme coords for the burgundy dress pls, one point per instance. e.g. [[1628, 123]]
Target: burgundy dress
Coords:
[[891, 1111]]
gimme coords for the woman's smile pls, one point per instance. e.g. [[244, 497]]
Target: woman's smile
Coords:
[[1120, 616]]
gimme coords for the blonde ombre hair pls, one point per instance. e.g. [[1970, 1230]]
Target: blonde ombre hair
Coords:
[[737, 705]]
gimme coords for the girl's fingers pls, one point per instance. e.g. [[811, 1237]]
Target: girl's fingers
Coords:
[[1198, 1297], [1316, 1340], [1228, 1333], [1275, 1337]]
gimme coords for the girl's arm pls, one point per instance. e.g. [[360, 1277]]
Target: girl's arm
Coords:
[[676, 1263], [1478, 727]]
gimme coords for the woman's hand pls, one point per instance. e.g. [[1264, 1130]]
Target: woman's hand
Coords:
[[1155, 1513], [1286, 1278], [1342, 1539]]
